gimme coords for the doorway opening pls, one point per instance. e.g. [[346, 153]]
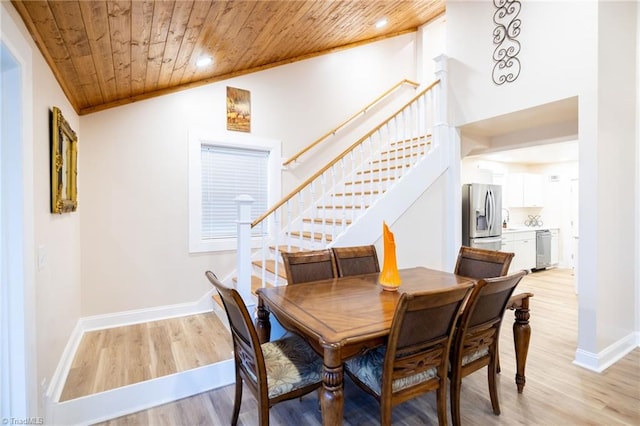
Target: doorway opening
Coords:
[[533, 154], [13, 355]]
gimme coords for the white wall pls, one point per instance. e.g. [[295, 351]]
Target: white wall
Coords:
[[616, 150], [558, 42], [432, 42], [57, 284], [418, 233], [133, 178], [583, 49]]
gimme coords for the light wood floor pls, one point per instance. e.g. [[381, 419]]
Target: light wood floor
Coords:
[[557, 392], [115, 357]]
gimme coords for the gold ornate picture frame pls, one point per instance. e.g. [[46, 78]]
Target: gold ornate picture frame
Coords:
[[64, 165]]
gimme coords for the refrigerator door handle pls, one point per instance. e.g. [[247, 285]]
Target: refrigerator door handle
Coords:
[[487, 208], [491, 209]]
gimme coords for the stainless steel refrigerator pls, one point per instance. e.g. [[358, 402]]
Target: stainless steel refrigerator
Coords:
[[481, 216]]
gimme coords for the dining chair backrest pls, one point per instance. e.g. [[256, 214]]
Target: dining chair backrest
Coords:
[[246, 343], [305, 266], [477, 336], [274, 371], [481, 263], [356, 260], [416, 356]]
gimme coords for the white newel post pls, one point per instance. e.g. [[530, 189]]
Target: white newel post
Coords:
[[244, 247], [448, 140], [441, 111]]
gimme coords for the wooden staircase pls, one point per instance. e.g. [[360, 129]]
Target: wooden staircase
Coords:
[[310, 235], [365, 178], [357, 194]]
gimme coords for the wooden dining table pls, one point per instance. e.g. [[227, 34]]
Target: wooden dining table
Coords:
[[344, 317]]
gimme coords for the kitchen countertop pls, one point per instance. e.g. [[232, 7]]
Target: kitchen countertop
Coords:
[[523, 228]]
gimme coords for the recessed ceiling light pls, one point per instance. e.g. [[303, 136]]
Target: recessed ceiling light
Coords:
[[381, 23], [204, 61]]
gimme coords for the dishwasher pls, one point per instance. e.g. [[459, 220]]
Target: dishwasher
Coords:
[[543, 249]]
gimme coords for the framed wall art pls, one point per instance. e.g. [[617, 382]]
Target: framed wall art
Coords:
[[64, 159], [238, 109]]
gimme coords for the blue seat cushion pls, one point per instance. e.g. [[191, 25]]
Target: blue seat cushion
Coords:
[[368, 369], [291, 364]]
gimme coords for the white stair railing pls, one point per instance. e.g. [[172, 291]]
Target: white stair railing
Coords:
[[324, 206]]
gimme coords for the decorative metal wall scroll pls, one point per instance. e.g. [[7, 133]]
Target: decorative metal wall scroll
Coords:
[[507, 66]]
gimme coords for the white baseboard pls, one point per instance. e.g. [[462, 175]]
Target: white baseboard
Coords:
[[602, 360], [64, 365], [140, 396], [119, 319]]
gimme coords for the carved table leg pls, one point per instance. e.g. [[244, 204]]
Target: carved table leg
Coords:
[[332, 393], [521, 337], [263, 325]]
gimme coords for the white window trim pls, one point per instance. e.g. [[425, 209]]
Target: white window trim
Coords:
[[196, 139]]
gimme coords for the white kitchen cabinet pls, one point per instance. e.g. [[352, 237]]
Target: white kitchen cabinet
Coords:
[[523, 245], [555, 246], [533, 189], [513, 191], [524, 190], [509, 247]]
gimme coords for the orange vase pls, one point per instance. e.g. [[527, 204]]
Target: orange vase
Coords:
[[389, 277]]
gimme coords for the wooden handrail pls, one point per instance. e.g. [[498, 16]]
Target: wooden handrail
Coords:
[[338, 158], [348, 120]]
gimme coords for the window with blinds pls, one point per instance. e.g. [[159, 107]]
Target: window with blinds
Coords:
[[227, 172], [223, 165]]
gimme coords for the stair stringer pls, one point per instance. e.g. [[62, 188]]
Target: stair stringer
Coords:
[[367, 228]]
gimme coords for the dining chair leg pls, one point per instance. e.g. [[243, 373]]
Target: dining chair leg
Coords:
[[263, 414], [441, 403], [493, 386], [385, 413], [237, 401], [455, 385]]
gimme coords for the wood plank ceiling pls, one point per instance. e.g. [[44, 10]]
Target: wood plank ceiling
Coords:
[[109, 53]]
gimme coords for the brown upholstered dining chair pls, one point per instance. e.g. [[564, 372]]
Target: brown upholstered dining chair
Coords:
[[482, 263], [356, 260], [304, 266], [475, 344], [274, 371], [416, 357]]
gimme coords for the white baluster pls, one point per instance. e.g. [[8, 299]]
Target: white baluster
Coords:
[[344, 199], [323, 191], [379, 148], [287, 226], [300, 210], [244, 203], [371, 157], [264, 234], [332, 172], [277, 224]]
